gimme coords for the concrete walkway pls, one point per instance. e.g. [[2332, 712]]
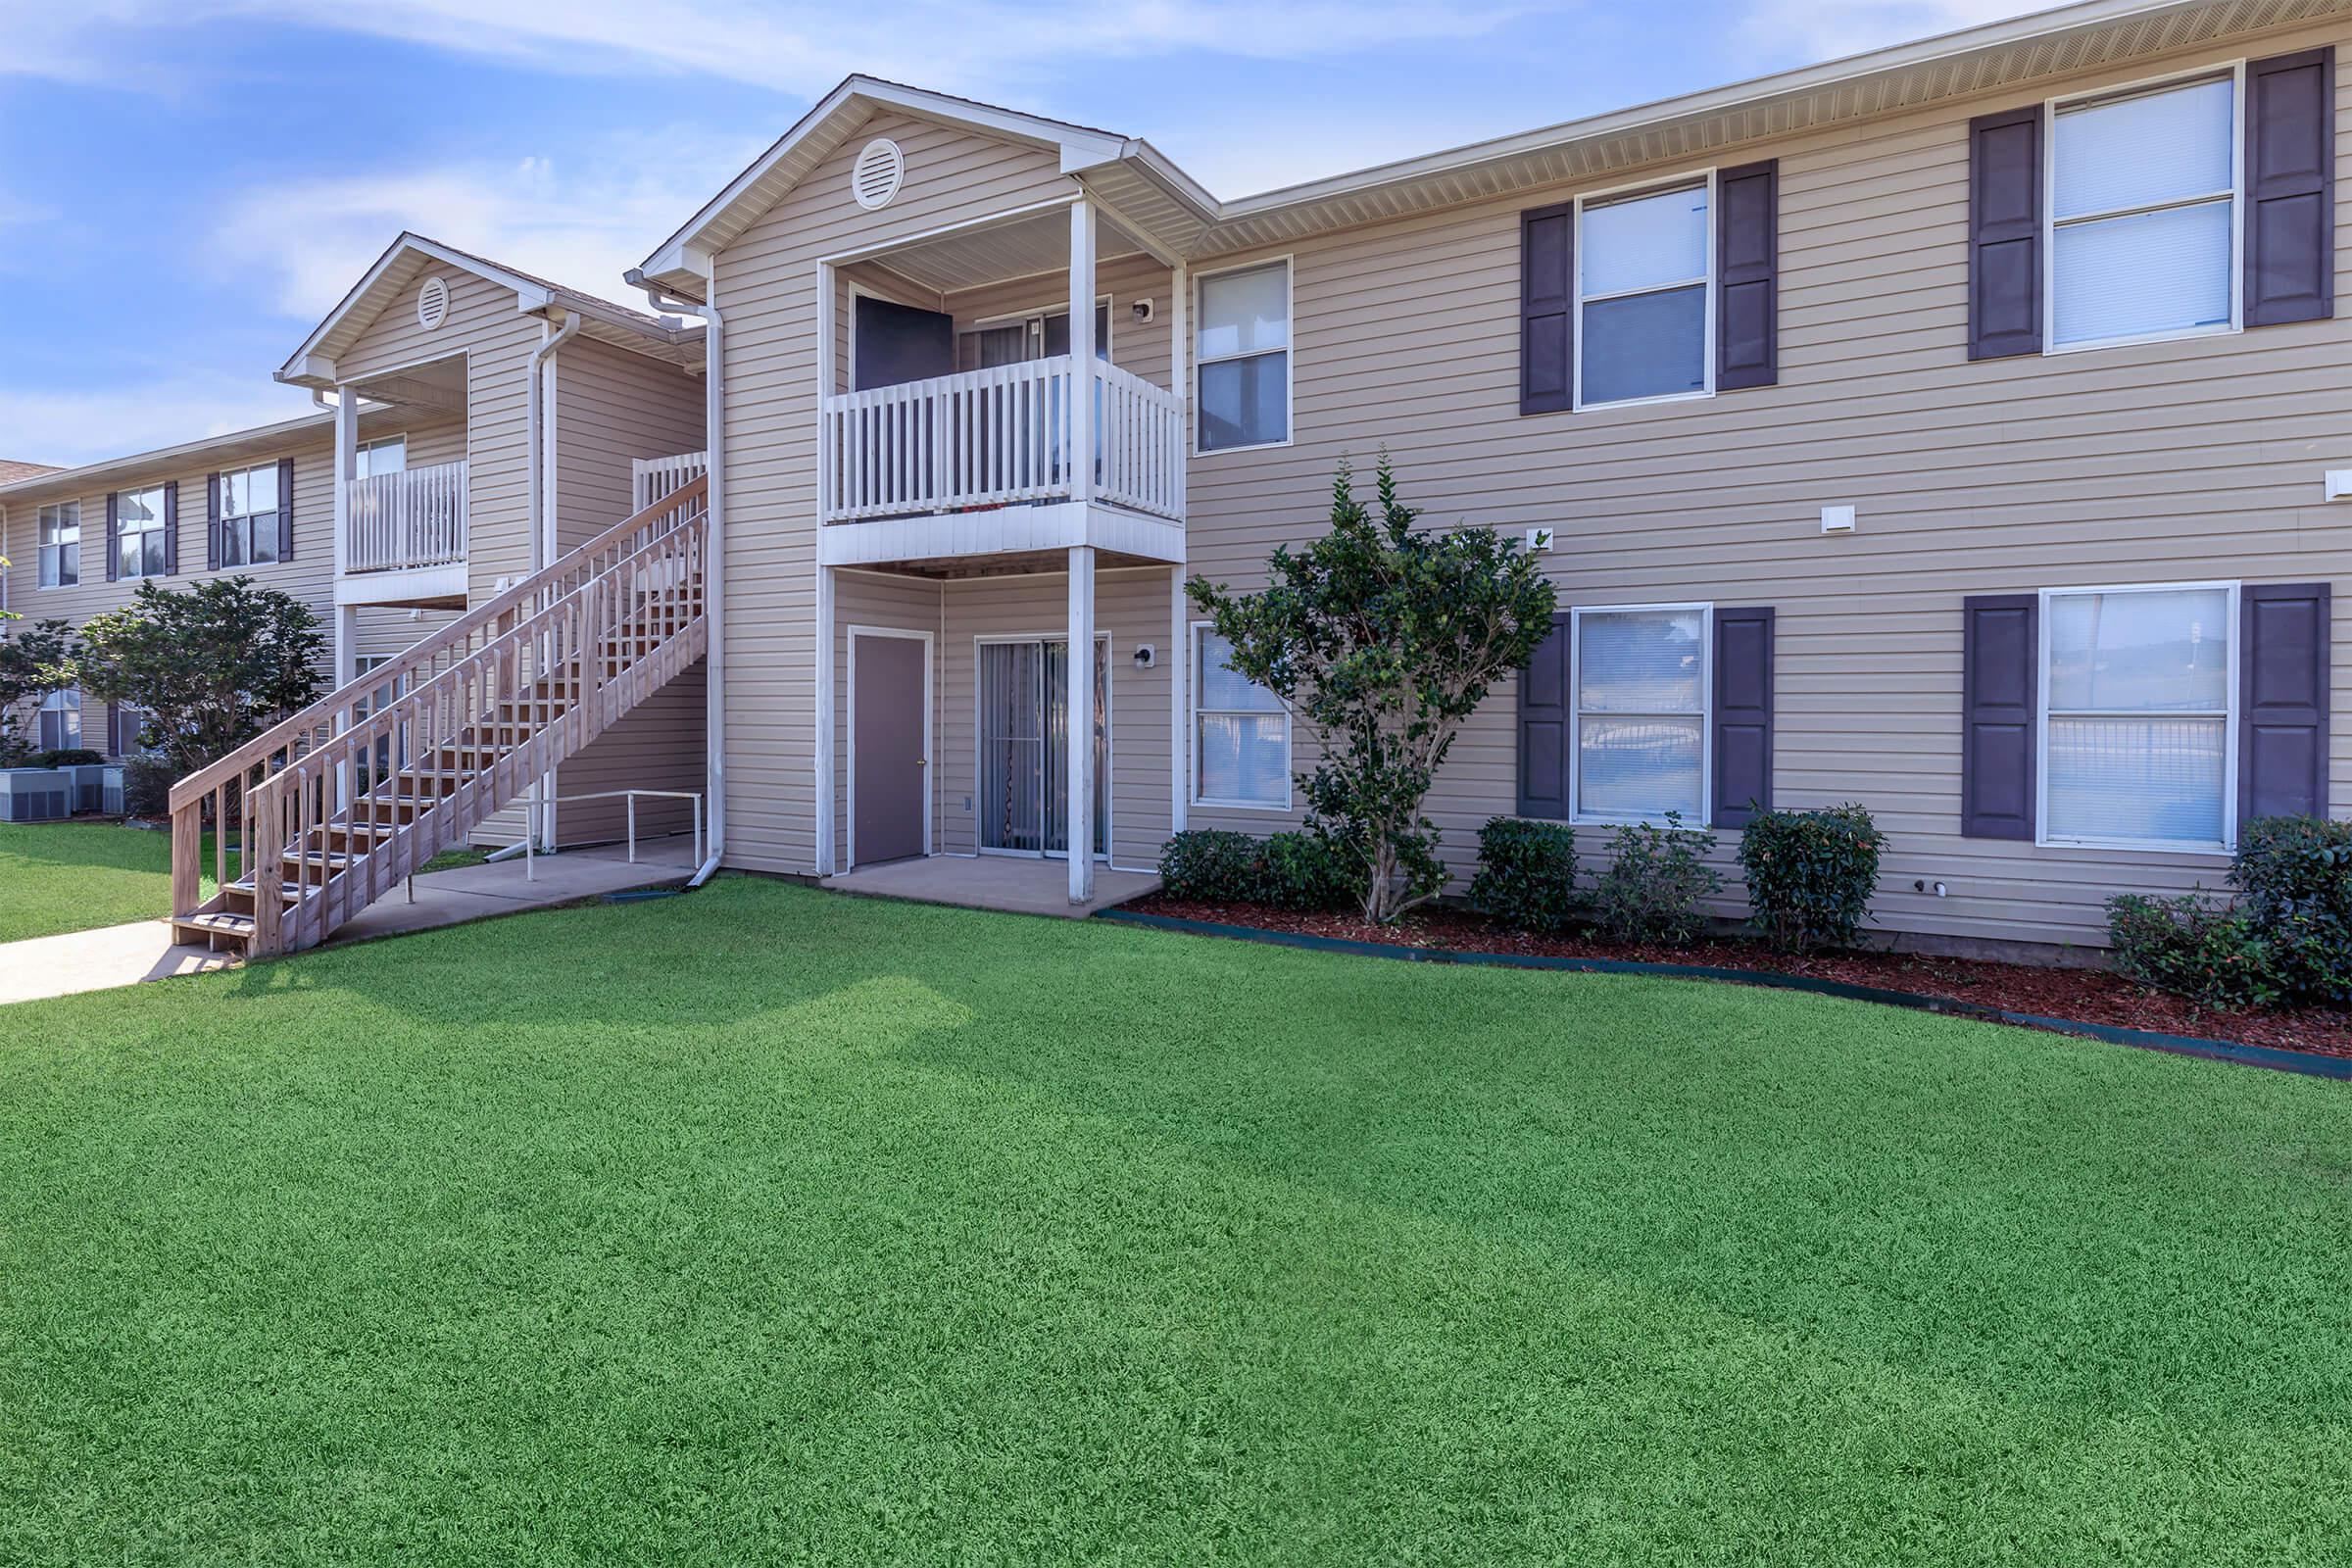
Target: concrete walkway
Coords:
[[126, 955], [1014, 884]]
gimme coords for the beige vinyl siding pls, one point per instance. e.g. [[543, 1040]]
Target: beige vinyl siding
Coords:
[[309, 576], [766, 283], [611, 406], [1130, 606], [2193, 459]]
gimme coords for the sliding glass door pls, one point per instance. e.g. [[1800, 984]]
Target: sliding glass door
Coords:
[[1024, 747]]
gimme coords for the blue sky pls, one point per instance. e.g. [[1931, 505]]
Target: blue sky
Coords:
[[188, 185]]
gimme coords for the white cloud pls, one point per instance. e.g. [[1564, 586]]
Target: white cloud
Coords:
[[580, 220], [1829, 29], [71, 428], [960, 45]]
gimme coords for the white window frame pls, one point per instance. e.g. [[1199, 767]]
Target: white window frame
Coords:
[[2236, 73], [1290, 752], [49, 569], [2228, 714], [55, 703], [1576, 286], [1289, 350], [364, 447], [1577, 814], [162, 524], [244, 520]]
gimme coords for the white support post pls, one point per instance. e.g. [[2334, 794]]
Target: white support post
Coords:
[[1082, 359], [347, 462], [825, 738], [1180, 377], [1180, 700], [1082, 724]]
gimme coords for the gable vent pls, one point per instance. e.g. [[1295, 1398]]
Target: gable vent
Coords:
[[874, 178], [433, 304]]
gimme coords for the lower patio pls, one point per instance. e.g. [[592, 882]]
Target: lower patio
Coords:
[[1006, 883]]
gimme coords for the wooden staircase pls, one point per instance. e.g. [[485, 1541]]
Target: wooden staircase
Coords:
[[346, 799]]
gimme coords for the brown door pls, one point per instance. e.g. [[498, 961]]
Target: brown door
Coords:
[[887, 740]]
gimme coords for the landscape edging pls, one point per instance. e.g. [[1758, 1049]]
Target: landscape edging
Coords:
[[2308, 1063]]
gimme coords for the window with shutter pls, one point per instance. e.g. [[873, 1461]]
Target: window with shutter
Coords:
[[1640, 682]]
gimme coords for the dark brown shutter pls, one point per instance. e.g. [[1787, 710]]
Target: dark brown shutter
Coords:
[[114, 533], [212, 522], [2283, 700], [1743, 741], [285, 509], [2290, 188], [1998, 689], [2004, 233], [1544, 727], [1547, 307], [1747, 336], [114, 731], [170, 526]]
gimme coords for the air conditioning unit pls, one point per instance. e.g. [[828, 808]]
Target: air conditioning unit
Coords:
[[109, 791], [35, 794], [89, 785]]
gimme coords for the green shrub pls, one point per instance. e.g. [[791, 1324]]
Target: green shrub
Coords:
[[1525, 873], [1293, 871], [1655, 881], [2295, 880], [1810, 875], [2194, 947], [147, 786], [70, 757]]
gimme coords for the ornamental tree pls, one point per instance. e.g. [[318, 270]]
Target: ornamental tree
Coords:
[[212, 665], [35, 659], [1381, 639]]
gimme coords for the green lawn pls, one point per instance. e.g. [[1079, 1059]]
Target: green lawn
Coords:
[[764, 1225], [76, 876]]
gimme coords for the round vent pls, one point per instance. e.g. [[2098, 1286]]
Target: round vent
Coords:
[[875, 179], [433, 304]]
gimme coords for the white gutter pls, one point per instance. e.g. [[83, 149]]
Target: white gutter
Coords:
[[534, 421], [714, 555]]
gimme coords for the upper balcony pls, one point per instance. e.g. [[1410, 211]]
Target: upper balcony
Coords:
[[1001, 437], [406, 520], [1029, 404]]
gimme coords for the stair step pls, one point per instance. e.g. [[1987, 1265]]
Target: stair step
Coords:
[[220, 921], [332, 859]]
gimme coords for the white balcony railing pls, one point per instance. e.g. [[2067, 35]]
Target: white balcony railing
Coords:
[[999, 437], [400, 522], [651, 478]]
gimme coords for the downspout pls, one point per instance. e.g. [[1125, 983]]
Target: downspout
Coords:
[[534, 420], [714, 558]]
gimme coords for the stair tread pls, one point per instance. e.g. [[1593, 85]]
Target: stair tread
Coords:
[[216, 920]]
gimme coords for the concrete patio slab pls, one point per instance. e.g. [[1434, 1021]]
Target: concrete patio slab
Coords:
[[1013, 884], [143, 949]]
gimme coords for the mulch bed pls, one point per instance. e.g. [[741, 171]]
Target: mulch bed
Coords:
[[2085, 995]]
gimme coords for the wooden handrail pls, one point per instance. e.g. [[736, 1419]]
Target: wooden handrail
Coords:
[[292, 730]]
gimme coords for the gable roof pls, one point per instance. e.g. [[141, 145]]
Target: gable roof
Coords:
[[677, 262], [312, 363], [11, 470], [1173, 215]]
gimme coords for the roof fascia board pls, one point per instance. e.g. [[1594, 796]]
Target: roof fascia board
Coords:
[[160, 457], [304, 365]]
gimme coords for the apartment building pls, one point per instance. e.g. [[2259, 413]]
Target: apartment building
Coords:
[[1956, 428]]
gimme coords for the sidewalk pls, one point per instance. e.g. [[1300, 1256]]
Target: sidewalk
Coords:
[[127, 955]]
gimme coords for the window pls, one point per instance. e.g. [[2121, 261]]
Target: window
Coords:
[[1243, 345], [2137, 697], [1641, 683], [128, 723], [249, 517], [1644, 276], [1241, 733], [61, 722], [139, 533], [2143, 204], [61, 544], [386, 455]]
